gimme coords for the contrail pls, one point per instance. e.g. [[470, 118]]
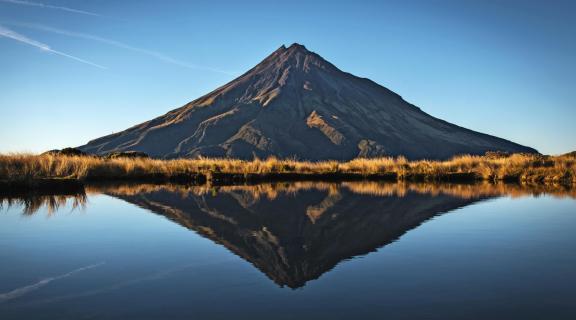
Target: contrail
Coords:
[[7, 33], [35, 286], [118, 44], [49, 6]]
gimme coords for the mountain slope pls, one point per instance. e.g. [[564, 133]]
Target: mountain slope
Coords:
[[296, 104]]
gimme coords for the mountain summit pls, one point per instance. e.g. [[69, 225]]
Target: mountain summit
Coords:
[[296, 104]]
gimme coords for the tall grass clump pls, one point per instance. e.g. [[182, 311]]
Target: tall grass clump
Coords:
[[516, 167]]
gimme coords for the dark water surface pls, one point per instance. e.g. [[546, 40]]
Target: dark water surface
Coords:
[[290, 251]]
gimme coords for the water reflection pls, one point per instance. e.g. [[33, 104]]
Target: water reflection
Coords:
[[295, 232], [370, 188], [33, 202]]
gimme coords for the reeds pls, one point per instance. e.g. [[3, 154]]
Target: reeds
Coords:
[[517, 167]]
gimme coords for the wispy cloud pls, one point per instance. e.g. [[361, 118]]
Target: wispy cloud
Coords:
[[10, 34], [17, 293], [154, 54], [49, 6]]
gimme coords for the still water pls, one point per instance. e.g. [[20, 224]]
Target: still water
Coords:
[[290, 251]]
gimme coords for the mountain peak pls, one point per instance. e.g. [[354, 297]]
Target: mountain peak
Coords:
[[297, 47], [297, 57], [292, 50], [293, 47]]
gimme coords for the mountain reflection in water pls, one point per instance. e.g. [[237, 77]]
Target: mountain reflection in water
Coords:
[[295, 232]]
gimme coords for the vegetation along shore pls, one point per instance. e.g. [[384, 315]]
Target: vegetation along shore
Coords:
[[60, 170]]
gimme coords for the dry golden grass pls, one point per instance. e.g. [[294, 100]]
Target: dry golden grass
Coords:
[[516, 167]]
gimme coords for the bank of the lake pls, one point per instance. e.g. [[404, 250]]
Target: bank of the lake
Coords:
[[48, 171]]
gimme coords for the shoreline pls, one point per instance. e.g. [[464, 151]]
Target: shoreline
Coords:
[[80, 191], [74, 185], [53, 172]]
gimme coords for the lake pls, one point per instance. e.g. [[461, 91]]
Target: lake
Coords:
[[301, 250]]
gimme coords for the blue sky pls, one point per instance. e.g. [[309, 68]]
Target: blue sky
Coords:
[[71, 71]]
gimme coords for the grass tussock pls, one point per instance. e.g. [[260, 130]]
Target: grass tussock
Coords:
[[514, 168]]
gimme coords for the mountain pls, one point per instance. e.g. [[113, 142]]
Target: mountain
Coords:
[[296, 104]]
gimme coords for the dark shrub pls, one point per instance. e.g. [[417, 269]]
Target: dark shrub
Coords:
[[66, 152], [126, 154]]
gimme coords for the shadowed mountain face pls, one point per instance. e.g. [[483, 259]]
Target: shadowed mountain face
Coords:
[[295, 235], [295, 103]]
